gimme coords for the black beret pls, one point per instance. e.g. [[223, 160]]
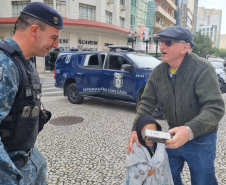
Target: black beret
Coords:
[[44, 13], [177, 33]]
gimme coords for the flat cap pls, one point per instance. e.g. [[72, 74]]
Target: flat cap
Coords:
[[44, 13], [177, 33]]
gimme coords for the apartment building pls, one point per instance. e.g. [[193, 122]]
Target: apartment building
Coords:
[[87, 24], [210, 18], [195, 16], [164, 14], [222, 41], [142, 14], [186, 14]]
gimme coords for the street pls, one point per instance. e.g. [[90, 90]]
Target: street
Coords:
[[94, 150]]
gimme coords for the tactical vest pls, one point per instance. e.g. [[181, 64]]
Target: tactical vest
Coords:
[[19, 130]]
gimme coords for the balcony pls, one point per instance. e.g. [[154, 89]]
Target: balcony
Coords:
[[164, 15], [110, 1], [158, 27], [122, 7], [170, 4]]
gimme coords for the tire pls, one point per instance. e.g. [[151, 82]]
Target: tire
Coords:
[[73, 94], [139, 99]]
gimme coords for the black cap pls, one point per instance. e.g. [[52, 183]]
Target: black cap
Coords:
[[177, 33], [44, 13]]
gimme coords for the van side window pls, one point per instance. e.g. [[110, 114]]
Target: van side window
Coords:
[[116, 62], [88, 61]]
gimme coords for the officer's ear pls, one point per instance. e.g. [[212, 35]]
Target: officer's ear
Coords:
[[35, 31]]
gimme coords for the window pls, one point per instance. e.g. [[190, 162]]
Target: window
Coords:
[[87, 12], [122, 21], [49, 3], [158, 20], [108, 17], [18, 6], [88, 61], [133, 3], [116, 62], [122, 2], [61, 7], [144, 61], [189, 20], [132, 20]]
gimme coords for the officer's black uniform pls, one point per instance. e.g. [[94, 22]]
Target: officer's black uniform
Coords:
[[19, 129]]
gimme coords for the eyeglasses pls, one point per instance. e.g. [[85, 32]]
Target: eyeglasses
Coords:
[[168, 43]]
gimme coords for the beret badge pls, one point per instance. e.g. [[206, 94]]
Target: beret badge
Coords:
[[55, 20]]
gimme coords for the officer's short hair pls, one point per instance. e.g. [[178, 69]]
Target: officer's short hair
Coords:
[[26, 21]]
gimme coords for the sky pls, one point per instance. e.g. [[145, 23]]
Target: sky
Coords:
[[217, 4]]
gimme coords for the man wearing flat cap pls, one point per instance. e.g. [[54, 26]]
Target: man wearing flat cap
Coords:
[[21, 118], [187, 90]]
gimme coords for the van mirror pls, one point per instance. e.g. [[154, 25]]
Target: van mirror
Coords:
[[126, 67]]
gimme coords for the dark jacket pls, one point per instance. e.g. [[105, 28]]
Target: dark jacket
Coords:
[[195, 101]]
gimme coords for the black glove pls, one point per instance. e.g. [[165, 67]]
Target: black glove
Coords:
[[44, 117]]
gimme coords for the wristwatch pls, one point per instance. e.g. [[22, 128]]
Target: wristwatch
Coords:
[[191, 135]]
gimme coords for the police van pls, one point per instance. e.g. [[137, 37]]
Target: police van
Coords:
[[118, 75]]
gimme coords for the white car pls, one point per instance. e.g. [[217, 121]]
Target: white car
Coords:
[[219, 67]]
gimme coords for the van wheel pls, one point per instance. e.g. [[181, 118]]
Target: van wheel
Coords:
[[139, 99], [73, 94]]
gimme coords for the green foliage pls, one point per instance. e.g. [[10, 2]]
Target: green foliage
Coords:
[[222, 53], [218, 52], [203, 44]]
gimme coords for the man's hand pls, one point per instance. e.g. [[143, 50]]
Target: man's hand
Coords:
[[180, 138], [133, 137]]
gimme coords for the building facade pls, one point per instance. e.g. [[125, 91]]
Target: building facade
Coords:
[[223, 41], [186, 14], [195, 16], [212, 32], [92, 24], [164, 14], [142, 14], [210, 18]]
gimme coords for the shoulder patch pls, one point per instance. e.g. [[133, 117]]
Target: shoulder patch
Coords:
[[1, 73]]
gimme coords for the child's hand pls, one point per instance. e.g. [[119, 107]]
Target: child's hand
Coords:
[[151, 172]]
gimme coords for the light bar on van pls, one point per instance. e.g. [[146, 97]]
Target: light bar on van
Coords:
[[122, 47]]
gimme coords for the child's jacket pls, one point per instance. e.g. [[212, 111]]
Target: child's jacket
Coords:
[[139, 163]]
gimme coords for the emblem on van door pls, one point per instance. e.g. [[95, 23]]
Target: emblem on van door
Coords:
[[118, 81], [68, 59]]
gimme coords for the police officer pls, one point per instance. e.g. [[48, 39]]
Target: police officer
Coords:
[[36, 32]]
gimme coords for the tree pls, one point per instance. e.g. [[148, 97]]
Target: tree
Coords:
[[203, 44], [213, 51], [222, 53]]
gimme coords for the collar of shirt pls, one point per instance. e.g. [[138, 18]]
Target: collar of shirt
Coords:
[[170, 74], [12, 43]]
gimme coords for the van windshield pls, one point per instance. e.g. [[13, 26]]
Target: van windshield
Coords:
[[144, 61]]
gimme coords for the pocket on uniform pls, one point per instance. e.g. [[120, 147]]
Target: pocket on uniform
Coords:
[[26, 128], [206, 139]]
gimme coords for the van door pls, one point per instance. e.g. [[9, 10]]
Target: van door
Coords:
[[116, 82], [88, 73]]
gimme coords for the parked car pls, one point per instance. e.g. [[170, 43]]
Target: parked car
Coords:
[[219, 66], [218, 60], [115, 75]]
